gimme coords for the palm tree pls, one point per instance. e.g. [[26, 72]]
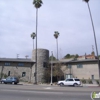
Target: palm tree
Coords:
[[87, 1], [37, 4], [33, 35], [56, 34]]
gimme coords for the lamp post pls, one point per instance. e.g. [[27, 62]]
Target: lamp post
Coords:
[[33, 35], [87, 1], [51, 65]]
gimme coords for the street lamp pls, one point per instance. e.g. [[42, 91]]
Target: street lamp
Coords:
[[94, 37], [33, 35]]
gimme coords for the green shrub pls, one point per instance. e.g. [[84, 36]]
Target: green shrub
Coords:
[[97, 82], [83, 81], [3, 75], [89, 81]]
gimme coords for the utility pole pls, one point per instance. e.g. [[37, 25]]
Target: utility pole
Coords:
[[51, 65]]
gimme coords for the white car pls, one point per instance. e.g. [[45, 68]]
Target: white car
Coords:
[[70, 82]]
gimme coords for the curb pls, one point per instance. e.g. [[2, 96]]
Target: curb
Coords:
[[83, 85]]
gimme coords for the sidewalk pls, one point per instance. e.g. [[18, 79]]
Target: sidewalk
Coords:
[[83, 85], [25, 83], [90, 85]]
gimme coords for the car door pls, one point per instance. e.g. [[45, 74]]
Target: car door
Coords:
[[69, 82], [9, 80]]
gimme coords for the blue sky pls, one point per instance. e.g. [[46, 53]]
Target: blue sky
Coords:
[[69, 17]]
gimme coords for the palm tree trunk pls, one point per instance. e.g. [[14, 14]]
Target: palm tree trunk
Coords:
[[94, 40], [33, 44], [36, 46], [57, 48]]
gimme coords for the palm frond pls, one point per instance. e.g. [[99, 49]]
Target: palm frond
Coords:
[[33, 35], [37, 3], [56, 34], [86, 1]]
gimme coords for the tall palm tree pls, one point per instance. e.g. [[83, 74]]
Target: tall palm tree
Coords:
[[37, 4], [33, 35], [87, 1], [56, 34]]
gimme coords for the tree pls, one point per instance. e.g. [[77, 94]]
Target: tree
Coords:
[[56, 34], [87, 1], [53, 58], [57, 72], [76, 56], [68, 56], [33, 35], [46, 75], [93, 53], [37, 4]]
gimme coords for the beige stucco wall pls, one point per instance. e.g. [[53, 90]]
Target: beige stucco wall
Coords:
[[86, 72]]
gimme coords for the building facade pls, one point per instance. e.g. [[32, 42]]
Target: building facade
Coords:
[[25, 68], [82, 69]]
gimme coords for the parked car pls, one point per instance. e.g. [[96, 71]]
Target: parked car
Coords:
[[11, 80], [70, 82]]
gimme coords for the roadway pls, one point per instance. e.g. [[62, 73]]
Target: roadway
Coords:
[[40, 92]]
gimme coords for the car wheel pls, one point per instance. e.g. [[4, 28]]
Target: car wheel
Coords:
[[61, 84], [13, 82], [75, 84], [2, 82]]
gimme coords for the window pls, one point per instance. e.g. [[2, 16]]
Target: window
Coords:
[[69, 76], [69, 66], [69, 79], [23, 74], [45, 64], [8, 73], [79, 66], [77, 80], [7, 64], [20, 64]]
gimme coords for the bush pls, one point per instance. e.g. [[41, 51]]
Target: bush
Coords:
[[89, 81], [83, 81], [97, 82], [3, 75]]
